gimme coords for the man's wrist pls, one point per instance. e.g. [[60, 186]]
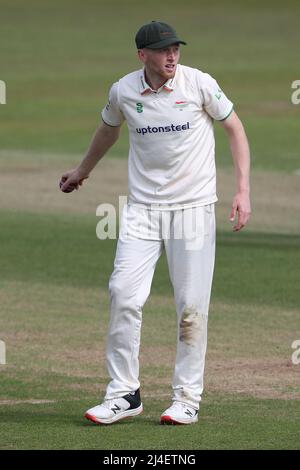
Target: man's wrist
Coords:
[[83, 171], [245, 190]]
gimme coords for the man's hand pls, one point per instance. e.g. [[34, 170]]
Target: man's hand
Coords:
[[71, 180], [241, 206]]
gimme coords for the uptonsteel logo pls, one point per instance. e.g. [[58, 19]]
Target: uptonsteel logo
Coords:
[[159, 129]]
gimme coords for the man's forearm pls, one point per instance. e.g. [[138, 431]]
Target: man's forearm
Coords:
[[241, 157], [103, 139]]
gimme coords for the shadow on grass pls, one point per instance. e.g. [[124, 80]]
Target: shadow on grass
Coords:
[[40, 417]]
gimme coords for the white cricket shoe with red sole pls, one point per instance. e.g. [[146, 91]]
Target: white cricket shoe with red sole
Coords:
[[115, 409], [179, 413]]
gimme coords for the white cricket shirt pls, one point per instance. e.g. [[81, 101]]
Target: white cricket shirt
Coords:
[[172, 147]]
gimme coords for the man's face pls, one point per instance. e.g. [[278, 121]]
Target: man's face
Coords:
[[162, 62]]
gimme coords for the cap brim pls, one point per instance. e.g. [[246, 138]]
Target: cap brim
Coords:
[[165, 43]]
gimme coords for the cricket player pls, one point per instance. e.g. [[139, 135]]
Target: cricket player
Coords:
[[170, 110]]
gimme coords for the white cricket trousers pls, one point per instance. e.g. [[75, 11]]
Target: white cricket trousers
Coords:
[[188, 237]]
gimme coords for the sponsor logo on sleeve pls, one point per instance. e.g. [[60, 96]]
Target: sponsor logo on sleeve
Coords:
[[219, 94]]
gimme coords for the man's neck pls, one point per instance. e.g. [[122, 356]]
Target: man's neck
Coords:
[[154, 80]]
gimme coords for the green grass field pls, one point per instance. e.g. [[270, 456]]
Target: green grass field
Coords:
[[58, 60]]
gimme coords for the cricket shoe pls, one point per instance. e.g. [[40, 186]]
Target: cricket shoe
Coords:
[[115, 409], [179, 413]]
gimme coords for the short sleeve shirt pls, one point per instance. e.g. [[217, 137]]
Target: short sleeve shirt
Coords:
[[172, 146]]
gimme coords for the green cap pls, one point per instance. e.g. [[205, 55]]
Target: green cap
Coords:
[[156, 35]]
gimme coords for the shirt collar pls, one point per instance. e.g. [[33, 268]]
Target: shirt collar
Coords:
[[169, 85]]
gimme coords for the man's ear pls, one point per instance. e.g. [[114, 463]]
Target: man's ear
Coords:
[[141, 54]]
